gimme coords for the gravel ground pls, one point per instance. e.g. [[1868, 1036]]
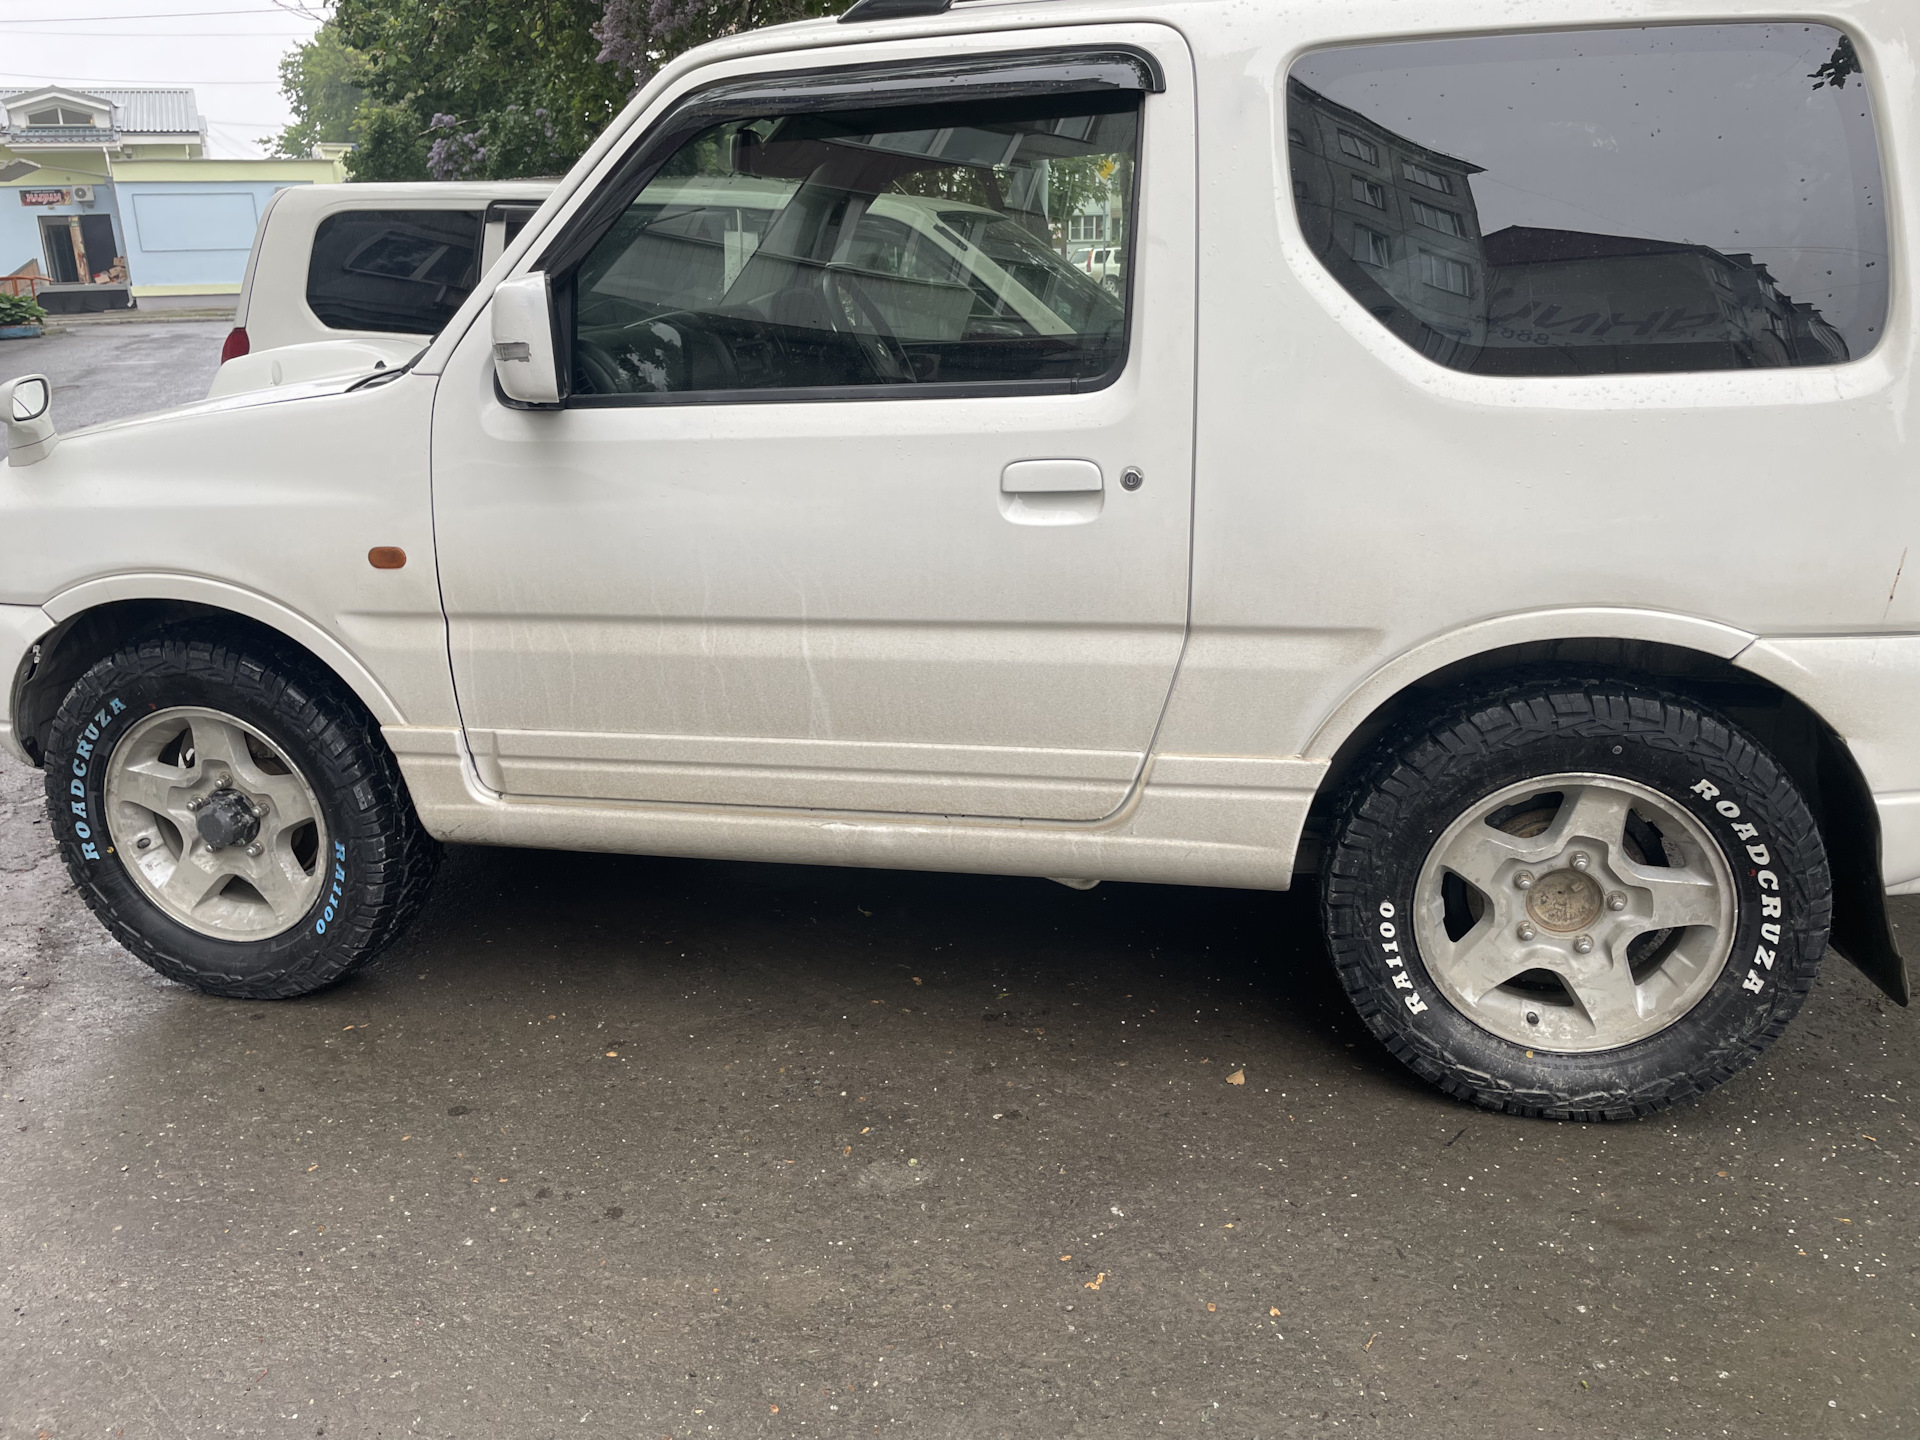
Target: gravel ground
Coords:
[[638, 1147]]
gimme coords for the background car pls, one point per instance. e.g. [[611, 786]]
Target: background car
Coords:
[[380, 266]]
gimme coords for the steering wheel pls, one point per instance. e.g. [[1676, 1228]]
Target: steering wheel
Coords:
[[601, 370], [848, 304]]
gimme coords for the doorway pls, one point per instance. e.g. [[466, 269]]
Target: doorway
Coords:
[[77, 247]]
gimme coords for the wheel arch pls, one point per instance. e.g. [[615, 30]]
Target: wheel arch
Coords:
[[95, 618], [1694, 657]]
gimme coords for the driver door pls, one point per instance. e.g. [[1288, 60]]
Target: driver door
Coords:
[[863, 499]]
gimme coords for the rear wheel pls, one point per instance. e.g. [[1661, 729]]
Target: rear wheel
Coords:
[[1577, 899], [232, 816]]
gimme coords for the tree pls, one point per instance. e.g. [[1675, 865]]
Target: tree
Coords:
[[637, 37], [482, 89], [321, 80], [491, 89]]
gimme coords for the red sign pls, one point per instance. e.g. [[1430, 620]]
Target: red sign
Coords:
[[46, 197]]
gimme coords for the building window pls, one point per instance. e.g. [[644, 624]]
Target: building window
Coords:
[[1444, 273], [1364, 150], [1368, 193], [1086, 227], [58, 115], [1370, 247], [1432, 179], [1719, 277], [1445, 221]]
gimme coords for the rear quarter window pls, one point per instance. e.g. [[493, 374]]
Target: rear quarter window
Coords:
[[397, 270], [1669, 198]]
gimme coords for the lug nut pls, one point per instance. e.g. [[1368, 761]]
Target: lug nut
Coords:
[[1578, 861], [260, 814], [1583, 945], [254, 849], [223, 780], [1525, 932], [1523, 881], [195, 803], [1616, 901]]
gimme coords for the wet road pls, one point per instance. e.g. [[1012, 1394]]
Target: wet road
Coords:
[[633, 1147]]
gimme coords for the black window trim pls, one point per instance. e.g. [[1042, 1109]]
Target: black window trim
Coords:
[[1026, 74]]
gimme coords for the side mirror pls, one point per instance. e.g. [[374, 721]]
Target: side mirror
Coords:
[[30, 433], [523, 358]]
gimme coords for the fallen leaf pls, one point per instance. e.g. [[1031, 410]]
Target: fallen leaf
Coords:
[[916, 1162], [1101, 1279], [312, 1168], [1273, 1310], [1239, 1077], [1065, 1258], [613, 1054], [1369, 1344], [846, 1150], [773, 1409], [865, 1128], [1210, 1307], [916, 979], [1227, 1226], [345, 1028]]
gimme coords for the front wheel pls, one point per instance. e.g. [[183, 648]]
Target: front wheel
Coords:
[[232, 816], [1580, 900]]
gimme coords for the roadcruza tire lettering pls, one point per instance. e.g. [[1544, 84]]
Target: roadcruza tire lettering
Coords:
[[1432, 769], [379, 858]]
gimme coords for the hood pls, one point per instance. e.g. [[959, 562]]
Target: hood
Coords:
[[319, 360]]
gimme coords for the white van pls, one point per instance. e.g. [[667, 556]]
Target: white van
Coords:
[[1455, 505], [345, 279]]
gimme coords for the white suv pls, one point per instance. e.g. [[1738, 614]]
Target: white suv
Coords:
[[1457, 500], [348, 279]]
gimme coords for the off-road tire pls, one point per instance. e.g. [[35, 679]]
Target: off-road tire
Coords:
[[1431, 771], [380, 860]]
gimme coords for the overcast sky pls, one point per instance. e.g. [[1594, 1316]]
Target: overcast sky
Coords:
[[226, 51]]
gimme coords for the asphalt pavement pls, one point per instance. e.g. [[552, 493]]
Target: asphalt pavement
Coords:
[[636, 1147]]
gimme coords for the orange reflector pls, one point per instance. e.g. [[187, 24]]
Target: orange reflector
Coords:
[[386, 557]]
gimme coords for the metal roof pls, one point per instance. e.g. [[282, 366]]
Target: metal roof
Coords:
[[135, 112]]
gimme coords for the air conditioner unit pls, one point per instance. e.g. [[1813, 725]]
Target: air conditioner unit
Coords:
[[83, 194]]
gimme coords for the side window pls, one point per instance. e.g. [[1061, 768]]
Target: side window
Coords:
[[400, 270], [1672, 198], [944, 245]]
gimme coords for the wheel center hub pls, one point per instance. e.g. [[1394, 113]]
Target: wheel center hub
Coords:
[[1564, 901], [227, 819]]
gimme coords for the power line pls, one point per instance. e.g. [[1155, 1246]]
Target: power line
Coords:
[[151, 15], [172, 34], [113, 84]]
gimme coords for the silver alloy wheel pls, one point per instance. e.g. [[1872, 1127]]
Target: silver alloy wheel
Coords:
[[1574, 925], [216, 824]]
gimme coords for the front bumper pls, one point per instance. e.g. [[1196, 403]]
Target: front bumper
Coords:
[[20, 627]]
